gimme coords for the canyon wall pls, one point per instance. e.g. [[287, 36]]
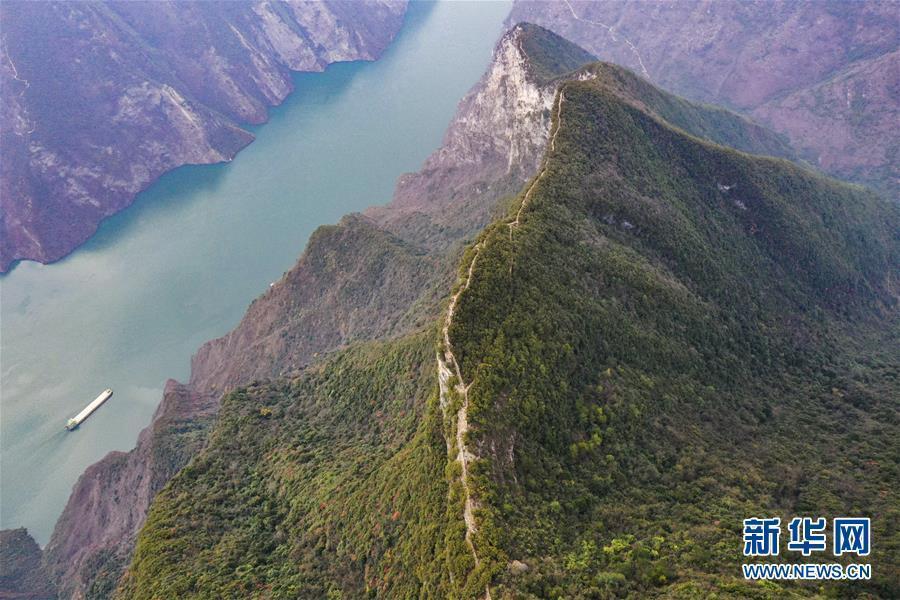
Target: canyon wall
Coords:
[[101, 98]]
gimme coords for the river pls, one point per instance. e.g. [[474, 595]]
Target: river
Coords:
[[129, 308]]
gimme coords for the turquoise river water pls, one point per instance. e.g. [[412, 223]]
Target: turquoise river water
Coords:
[[129, 308]]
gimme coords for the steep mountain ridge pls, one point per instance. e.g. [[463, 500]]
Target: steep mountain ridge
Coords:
[[104, 97], [647, 287]]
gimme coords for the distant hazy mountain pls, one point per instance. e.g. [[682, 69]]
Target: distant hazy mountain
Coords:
[[101, 98], [826, 73]]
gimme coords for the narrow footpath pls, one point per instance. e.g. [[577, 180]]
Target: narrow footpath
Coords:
[[448, 366]]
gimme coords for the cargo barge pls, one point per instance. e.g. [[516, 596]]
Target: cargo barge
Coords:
[[90, 408]]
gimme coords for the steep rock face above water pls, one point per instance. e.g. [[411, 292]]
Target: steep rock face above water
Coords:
[[825, 73], [101, 98], [499, 131]]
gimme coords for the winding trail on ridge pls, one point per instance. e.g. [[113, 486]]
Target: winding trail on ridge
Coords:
[[612, 34], [448, 366]]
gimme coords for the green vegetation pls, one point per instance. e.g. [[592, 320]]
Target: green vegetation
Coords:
[[328, 486], [705, 121], [549, 55], [676, 337]]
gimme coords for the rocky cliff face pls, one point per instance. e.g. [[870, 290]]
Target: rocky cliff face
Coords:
[[500, 129], [100, 99], [823, 73], [354, 281], [493, 144]]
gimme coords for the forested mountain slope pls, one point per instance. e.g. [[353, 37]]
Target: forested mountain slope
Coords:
[[635, 357]]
